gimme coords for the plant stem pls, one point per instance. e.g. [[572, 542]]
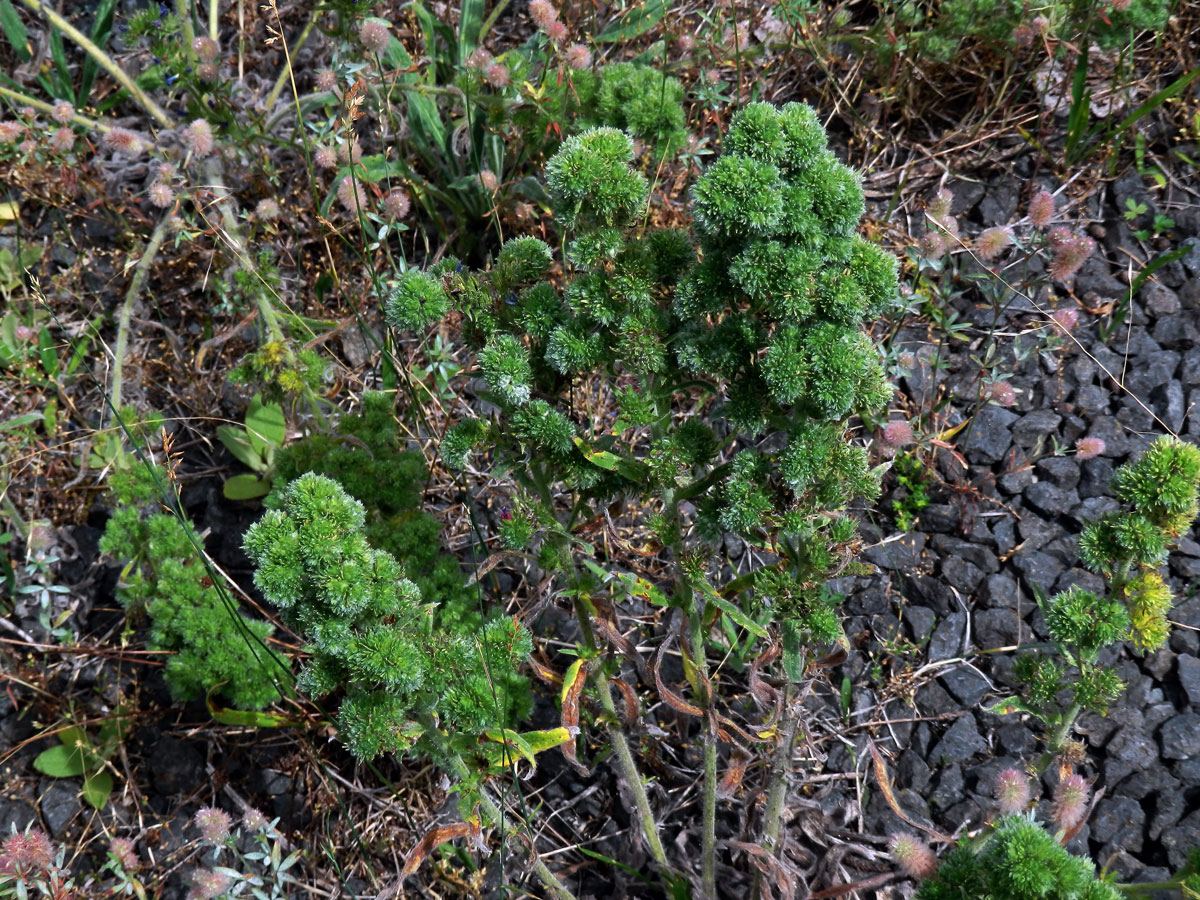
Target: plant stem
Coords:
[[458, 768], [629, 770], [287, 74], [708, 829], [777, 779], [135, 288], [103, 60], [189, 30], [214, 19]]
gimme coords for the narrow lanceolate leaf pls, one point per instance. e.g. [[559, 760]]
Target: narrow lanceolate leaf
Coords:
[[245, 717], [514, 746], [885, 788], [433, 839], [731, 781], [573, 683], [672, 699], [637, 20], [632, 707]]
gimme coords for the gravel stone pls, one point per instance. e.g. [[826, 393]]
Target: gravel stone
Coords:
[[59, 806], [1001, 590], [1181, 737], [175, 766], [1178, 839], [949, 788], [961, 574], [990, 434], [995, 628], [961, 741], [947, 639], [1130, 750], [901, 555], [1096, 478], [1041, 569], [967, 686], [1015, 482], [1189, 677], [1160, 300], [1118, 822], [1016, 740], [920, 621], [1059, 471], [1035, 426], [1048, 499]]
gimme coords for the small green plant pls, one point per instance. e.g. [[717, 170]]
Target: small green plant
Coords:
[[1133, 209], [911, 478], [254, 445], [78, 755], [165, 577]]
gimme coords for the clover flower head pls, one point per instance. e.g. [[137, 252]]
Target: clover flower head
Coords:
[[1089, 447], [1023, 36], [63, 112], [578, 56], [205, 48], [213, 824], [397, 204], [1065, 318], [1070, 256], [1002, 394], [897, 434], [939, 206], [161, 195], [1012, 791], [913, 855], [1071, 801], [557, 32], [1041, 209], [352, 195], [254, 820], [350, 152], [497, 75], [207, 884], [198, 138], [10, 131], [488, 180], [122, 850], [123, 141], [29, 851], [543, 13], [686, 43], [933, 245], [62, 140], [992, 242], [325, 158], [267, 210], [373, 34], [326, 80], [480, 59]]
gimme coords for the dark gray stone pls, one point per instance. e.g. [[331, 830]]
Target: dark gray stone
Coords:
[[1189, 677], [920, 621], [990, 434], [980, 557], [1091, 398], [912, 771], [967, 686], [1131, 750], [1016, 740], [1035, 532], [1049, 500], [1118, 822], [933, 700], [1190, 372], [1060, 471], [1181, 737], [947, 639], [175, 766], [900, 555], [1082, 578], [949, 788], [1169, 807], [1096, 478], [1178, 331], [1178, 839], [60, 804], [1159, 299], [1041, 569], [941, 518], [1016, 481], [1109, 430], [961, 741], [1004, 535], [1167, 402], [1035, 426], [995, 628], [1001, 590], [1091, 509], [961, 574]]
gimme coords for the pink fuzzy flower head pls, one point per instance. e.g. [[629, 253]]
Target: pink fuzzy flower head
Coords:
[[557, 32], [939, 206], [161, 195], [63, 139], [1002, 394], [488, 180], [1089, 447], [1040, 24], [912, 855], [124, 141], [1012, 791], [62, 112], [267, 210], [205, 48], [1023, 36], [397, 205], [198, 138], [10, 131], [1058, 235], [933, 245], [950, 224], [1070, 256], [1065, 318], [686, 43], [1071, 801], [479, 59], [326, 80], [497, 75], [373, 34], [122, 850], [213, 824], [351, 152], [325, 158], [993, 242], [578, 56], [351, 195], [207, 71], [254, 820], [1121, 5], [896, 434], [1041, 209], [29, 851], [207, 884], [543, 13]]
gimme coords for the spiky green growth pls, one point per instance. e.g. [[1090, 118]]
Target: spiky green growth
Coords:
[[1086, 623], [1020, 860], [591, 182], [645, 102], [1149, 599], [415, 301], [1163, 484], [505, 364], [215, 646], [369, 632], [522, 260]]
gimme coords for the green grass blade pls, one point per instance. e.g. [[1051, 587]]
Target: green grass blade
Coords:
[[470, 26], [14, 31], [1172, 90], [635, 22], [101, 30], [62, 70], [1080, 105]]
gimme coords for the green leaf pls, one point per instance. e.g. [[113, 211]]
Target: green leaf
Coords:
[[540, 741], [101, 29], [624, 466], [793, 661], [237, 442], [1011, 705], [14, 31], [17, 421], [734, 612], [62, 69], [61, 762], [246, 487], [47, 354], [245, 718], [512, 741], [97, 788], [265, 425], [469, 26], [636, 21], [50, 417]]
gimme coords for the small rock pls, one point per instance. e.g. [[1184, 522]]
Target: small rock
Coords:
[[1159, 299], [1169, 807], [175, 766], [1093, 508], [1049, 500], [1001, 591], [941, 518], [949, 788], [990, 434], [1189, 677], [961, 574], [1016, 740], [1035, 426], [967, 686], [1096, 478], [1041, 569], [947, 639], [1129, 751], [912, 771], [995, 628], [1179, 839], [1181, 737], [1178, 331], [920, 621], [900, 555], [1016, 481], [1059, 471], [1119, 821], [1082, 578], [961, 741], [59, 806]]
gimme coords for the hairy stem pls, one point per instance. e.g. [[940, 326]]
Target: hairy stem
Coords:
[[103, 60], [777, 778], [135, 288], [708, 829], [629, 770]]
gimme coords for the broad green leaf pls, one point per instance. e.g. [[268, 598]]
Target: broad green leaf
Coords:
[[47, 353], [97, 788], [636, 21], [1011, 705], [265, 425], [540, 741], [50, 417], [60, 762], [237, 442], [469, 25], [512, 741], [246, 487], [627, 468]]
